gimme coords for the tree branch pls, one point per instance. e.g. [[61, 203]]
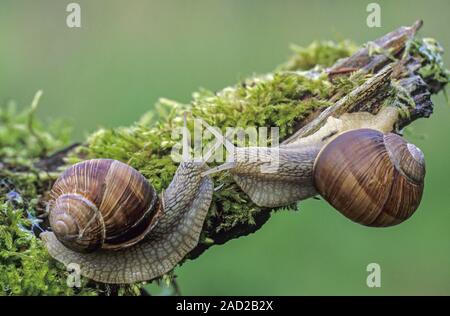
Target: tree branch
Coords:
[[394, 75]]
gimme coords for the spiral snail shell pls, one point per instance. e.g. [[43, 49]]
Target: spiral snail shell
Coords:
[[372, 178], [108, 219], [102, 204]]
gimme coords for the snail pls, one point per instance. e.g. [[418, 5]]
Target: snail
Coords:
[[370, 176], [109, 220]]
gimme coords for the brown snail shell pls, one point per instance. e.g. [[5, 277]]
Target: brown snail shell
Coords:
[[101, 203], [372, 178]]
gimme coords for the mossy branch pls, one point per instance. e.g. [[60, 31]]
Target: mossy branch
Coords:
[[322, 80]]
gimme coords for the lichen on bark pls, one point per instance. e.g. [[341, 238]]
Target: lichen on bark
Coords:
[[310, 84]]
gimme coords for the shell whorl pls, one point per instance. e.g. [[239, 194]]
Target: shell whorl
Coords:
[[407, 158], [76, 223], [101, 203]]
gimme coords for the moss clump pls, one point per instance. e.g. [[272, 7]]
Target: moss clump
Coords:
[[318, 53], [25, 266], [430, 52]]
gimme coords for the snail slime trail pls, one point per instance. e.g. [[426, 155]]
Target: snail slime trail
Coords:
[[186, 306]]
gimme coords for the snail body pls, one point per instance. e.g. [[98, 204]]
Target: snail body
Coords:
[[274, 177], [107, 218]]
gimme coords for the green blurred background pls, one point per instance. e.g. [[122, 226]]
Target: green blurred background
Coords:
[[127, 54]]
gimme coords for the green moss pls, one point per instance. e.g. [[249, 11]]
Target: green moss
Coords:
[[25, 266], [318, 53], [431, 53]]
